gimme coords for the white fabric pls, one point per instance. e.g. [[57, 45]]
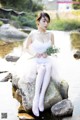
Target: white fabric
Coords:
[[26, 66]]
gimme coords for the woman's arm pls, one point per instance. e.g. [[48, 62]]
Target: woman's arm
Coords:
[[26, 47], [26, 43], [52, 39]]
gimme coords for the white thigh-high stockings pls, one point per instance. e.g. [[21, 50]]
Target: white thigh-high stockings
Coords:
[[44, 86], [39, 81]]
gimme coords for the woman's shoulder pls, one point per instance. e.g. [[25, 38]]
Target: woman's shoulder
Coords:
[[50, 34], [33, 31]]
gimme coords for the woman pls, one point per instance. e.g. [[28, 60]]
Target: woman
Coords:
[[36, 45]]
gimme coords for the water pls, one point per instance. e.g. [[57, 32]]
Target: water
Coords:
[[8, 104], [69, 70]]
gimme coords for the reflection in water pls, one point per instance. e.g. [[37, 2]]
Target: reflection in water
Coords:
[[69, 70]]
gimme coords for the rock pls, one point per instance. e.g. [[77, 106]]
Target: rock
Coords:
[[5, 77], [27, 90], [63, 89], [11, 58], [62, 108], [10, 33], [77, 54], [54, 93], [14, 55]]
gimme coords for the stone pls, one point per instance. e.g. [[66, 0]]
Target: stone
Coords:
[[52, 95], [4, 77], [62, 108], [11, 58], [14, 55], [77, 54], [63, 89], [10, 33]]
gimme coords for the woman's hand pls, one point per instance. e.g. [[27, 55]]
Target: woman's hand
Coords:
[[44, 55], [39, 55]]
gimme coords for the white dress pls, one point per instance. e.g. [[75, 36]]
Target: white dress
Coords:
[[26, 67]]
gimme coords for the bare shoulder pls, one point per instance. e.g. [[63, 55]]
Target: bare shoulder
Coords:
[[52, 34], [32, 32]]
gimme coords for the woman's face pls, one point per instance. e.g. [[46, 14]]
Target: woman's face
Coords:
[[43, 23]]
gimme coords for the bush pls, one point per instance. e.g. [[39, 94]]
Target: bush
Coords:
[[63, 24], [37, 7], [26, 20], [76, 6], [21, 5]]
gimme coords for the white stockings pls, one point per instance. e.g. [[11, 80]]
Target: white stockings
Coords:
[[42, 82]]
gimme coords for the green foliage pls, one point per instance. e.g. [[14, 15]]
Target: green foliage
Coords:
[[76, 4], [63, 24], [52, 50], [21, 5], [27, 20], [37, 7], [17, 4]]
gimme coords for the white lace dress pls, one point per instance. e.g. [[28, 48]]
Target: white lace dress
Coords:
[[26, 67]]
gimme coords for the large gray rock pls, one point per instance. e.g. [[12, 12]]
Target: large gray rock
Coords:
[[9, 33], [52, 95]]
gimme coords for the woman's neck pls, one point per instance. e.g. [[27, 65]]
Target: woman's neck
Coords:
[[41, 30]]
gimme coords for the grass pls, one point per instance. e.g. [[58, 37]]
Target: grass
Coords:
[[64, 25]]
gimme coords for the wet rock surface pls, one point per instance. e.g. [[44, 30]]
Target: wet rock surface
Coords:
[[62, 108], [52, 95]]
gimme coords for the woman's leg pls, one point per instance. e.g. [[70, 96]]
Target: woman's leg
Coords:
[[44, 86], [39, 81]]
